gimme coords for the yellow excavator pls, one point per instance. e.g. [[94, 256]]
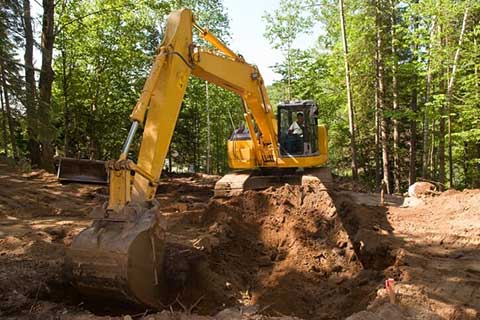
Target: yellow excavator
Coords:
[[121, 254]]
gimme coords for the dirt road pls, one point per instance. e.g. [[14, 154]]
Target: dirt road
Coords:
[[301, 251]]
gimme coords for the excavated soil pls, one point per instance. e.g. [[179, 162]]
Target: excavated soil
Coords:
[[294, 251]]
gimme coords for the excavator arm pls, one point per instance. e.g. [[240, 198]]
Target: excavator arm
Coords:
[[160, 101]]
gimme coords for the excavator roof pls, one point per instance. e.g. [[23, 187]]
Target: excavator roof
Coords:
[[297, 103]]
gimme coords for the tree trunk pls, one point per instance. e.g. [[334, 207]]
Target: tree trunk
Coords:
[[8, 111], [377, 133], [428, 86], [170, 161], [475, 177], [224, 153], [441, 148], [396, 134], [45, 85], [351, 115], [217, 147], [93, 148], [66, 116], [4, 124], [31, 91], [381, 96], [465, 163], [289, 74], [433, 158], [441, 131], [195, 138], [425, 128], [449, 95], [377, 127], [209, 160], [412, 172]]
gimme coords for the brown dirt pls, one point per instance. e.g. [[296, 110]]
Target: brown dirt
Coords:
[[291, 251]]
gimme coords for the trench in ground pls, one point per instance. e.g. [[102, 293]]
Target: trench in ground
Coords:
[[292, 250]]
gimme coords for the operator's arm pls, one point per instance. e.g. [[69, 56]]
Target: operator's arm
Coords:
[[291, 129]]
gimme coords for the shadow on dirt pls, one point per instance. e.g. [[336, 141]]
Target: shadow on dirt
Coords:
[[292, 250]]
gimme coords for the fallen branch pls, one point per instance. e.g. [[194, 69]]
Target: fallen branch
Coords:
[[436, 183], [36, 297], [194, 305]]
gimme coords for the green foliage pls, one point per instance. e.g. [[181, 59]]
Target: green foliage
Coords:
[[286, 23], [105, 50], [11, 84], [426, 38], [105, 53]]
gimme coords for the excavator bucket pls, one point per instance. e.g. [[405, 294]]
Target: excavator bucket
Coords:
[[120, 260], [81, 170], [236, 182]]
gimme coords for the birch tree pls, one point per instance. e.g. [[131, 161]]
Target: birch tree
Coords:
[[351, 113]]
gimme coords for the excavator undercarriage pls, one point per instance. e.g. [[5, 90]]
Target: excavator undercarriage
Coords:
[[234, 183]]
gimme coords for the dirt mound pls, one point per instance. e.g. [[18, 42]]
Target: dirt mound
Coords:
[[287, 244]]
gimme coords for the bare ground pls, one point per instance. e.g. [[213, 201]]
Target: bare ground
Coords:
[[301, 251]]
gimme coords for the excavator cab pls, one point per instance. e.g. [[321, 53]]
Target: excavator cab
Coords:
[[305, 147], [304, 140], [302, 149]]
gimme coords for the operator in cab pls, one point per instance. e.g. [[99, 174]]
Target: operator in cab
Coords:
[[295, 135]]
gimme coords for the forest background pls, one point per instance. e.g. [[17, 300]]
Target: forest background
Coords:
[[397, 83]]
